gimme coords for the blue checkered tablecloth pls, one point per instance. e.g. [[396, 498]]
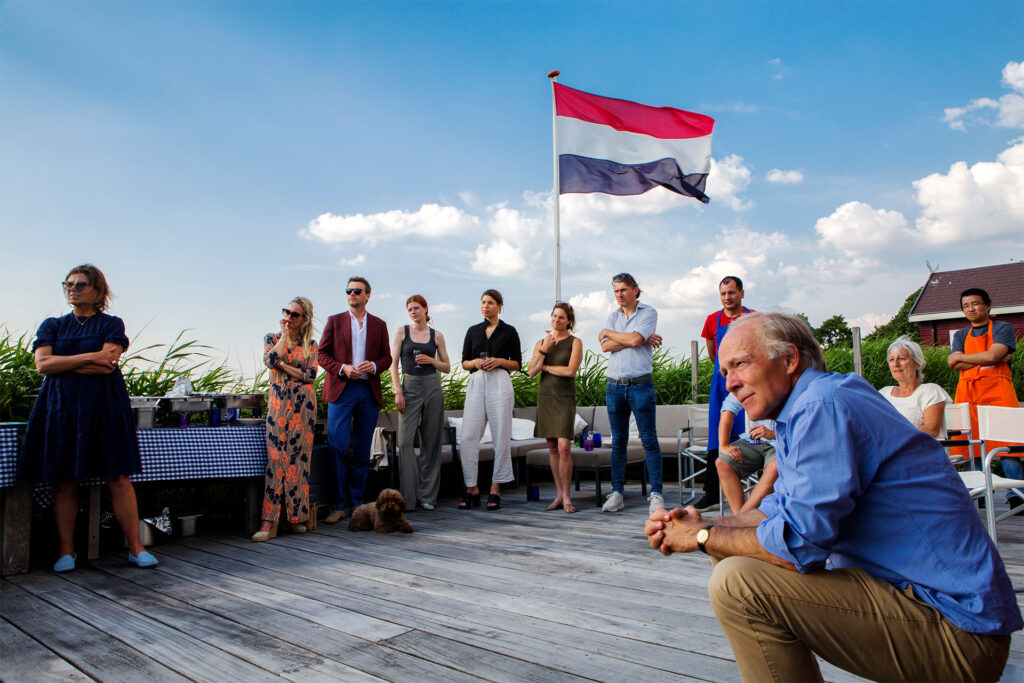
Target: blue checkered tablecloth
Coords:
[[168, 454], [202, 453], [10, 440]]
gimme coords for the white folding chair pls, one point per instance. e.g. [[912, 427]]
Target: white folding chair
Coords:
[[958, 423], [996, 423], [695, 453]]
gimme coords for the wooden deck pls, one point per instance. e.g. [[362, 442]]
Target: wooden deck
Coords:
[[515, 595]]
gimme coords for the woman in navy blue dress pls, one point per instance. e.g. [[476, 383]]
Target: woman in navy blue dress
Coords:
[[82, 426]]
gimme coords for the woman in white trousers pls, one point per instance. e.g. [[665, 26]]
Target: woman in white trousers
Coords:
[[490, 352]]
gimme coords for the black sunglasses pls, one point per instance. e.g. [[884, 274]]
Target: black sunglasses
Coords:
[[354, 290], [290, 314], [77, 286]]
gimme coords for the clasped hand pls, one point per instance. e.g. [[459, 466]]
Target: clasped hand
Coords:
[[486, 363], [364, 368], [674, 531]]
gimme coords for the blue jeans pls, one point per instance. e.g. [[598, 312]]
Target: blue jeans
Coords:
[[351, 421], [1011, 470], [638, 399]]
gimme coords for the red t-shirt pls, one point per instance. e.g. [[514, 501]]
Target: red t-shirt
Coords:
[[710, 330]]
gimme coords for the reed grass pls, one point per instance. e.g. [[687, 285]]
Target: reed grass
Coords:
[[149, 374]]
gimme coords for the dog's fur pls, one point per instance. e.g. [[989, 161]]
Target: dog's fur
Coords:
[[384, 516]]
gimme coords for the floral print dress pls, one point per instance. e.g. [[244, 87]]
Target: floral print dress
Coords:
[[291, 415]]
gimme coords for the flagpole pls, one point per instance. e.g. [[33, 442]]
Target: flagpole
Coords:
[[555, 211]]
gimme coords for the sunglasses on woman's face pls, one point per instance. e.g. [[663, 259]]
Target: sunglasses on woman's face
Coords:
[[290, 314], [77, 286]]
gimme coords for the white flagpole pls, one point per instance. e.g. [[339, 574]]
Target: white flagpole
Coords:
[[554, 143]]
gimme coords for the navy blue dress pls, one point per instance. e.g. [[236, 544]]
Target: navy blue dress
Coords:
[[81, 426]]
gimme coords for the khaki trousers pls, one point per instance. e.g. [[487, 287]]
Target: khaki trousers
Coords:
[[776, 618]]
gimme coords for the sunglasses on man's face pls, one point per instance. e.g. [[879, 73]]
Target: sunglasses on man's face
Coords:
[[77, 286], [290, 314], [354, 290]]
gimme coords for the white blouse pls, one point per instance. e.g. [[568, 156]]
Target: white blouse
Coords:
[[912, 407]]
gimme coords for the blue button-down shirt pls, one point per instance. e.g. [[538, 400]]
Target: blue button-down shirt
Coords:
[[862, 487], [633, 361]]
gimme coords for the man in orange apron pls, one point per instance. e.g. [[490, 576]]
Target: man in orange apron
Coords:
[[982, 354]]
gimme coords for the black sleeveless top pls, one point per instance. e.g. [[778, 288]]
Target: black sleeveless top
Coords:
[[429, 347]]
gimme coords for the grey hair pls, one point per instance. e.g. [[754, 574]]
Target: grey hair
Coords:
[[782, 330], [913, 349]]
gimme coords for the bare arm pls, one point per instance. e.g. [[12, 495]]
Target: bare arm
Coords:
[[441, 363], [933, 415], [963, 361], [396, 361], [710, 344], [575, 359], [538, 358], [100, 362], [676, 531]]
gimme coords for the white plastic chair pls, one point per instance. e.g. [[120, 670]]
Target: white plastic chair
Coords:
[[695, 453], [996, 423]]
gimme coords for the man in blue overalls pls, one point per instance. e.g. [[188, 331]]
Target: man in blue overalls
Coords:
[[730, 291]]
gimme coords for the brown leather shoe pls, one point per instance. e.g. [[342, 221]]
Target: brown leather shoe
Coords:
[[296, 528], [335, 517]]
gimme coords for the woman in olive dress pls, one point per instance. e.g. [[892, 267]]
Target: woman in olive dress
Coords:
[[557, 357], [82, 426]]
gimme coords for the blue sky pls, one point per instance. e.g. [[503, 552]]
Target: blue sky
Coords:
[[188, 148]]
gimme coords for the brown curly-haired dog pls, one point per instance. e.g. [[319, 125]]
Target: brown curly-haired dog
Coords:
[[384, 516]]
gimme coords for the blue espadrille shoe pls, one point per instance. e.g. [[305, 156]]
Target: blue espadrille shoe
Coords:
[[65, 563], [145, 559]]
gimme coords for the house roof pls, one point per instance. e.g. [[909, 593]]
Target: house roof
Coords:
[[940, 298]]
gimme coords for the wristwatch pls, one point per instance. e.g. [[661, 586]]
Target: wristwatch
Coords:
[[702, 537]]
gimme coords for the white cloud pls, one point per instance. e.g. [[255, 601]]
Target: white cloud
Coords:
[[356, 260], [856, 228], [513, 245], [430, 221], [727, 180], [777, 68], [1009, 108], [784, 177], [1013, 76], [593, 213], [868, 322], [985, 200], [443, 308]]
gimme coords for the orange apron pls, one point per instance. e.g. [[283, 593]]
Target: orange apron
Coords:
[[984, 385]]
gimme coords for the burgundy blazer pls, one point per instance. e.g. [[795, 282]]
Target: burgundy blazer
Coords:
[[335, 350]]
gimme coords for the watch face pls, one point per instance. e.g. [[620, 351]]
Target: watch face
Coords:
[[702, 536]]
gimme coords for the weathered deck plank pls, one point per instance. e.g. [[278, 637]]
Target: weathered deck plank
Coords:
[[517, 594]]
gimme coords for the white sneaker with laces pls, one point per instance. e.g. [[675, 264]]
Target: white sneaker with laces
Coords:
[[613, 503], [657, 502]]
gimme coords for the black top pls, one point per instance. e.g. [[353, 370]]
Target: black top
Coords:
[[429, 347], [504, 343]]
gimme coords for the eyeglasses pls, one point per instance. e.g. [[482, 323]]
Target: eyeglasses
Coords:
[[290, 314], [77, 286], [354, 290]]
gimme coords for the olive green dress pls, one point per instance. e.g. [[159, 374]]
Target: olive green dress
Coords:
[[556, 396]]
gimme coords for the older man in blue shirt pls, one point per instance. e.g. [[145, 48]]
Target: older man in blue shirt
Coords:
[[869, 552], [629, 340]]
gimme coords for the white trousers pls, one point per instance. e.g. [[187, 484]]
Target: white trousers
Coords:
[[489, 400]]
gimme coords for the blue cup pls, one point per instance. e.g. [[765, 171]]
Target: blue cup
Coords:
[[597, 439]]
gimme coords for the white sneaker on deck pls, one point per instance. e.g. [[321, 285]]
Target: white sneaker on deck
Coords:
[[613, 503], [657, 502]]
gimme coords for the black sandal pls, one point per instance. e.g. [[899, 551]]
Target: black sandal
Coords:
[[493, 502], [470, 500]]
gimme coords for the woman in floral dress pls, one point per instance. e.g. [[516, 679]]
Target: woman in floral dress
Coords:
[[291, 415]]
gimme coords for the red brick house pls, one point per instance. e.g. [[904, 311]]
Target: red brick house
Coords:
[[937, 309]]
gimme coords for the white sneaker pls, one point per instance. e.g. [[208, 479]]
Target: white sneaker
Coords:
[[613, 503], [656, 501]]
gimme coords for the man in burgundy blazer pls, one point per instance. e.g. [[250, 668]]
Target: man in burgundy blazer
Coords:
[[353, 350]]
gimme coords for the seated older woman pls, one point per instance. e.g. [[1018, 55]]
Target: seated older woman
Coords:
[[923, 404]]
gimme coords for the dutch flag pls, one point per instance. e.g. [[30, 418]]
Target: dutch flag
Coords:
[[623, 148]]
